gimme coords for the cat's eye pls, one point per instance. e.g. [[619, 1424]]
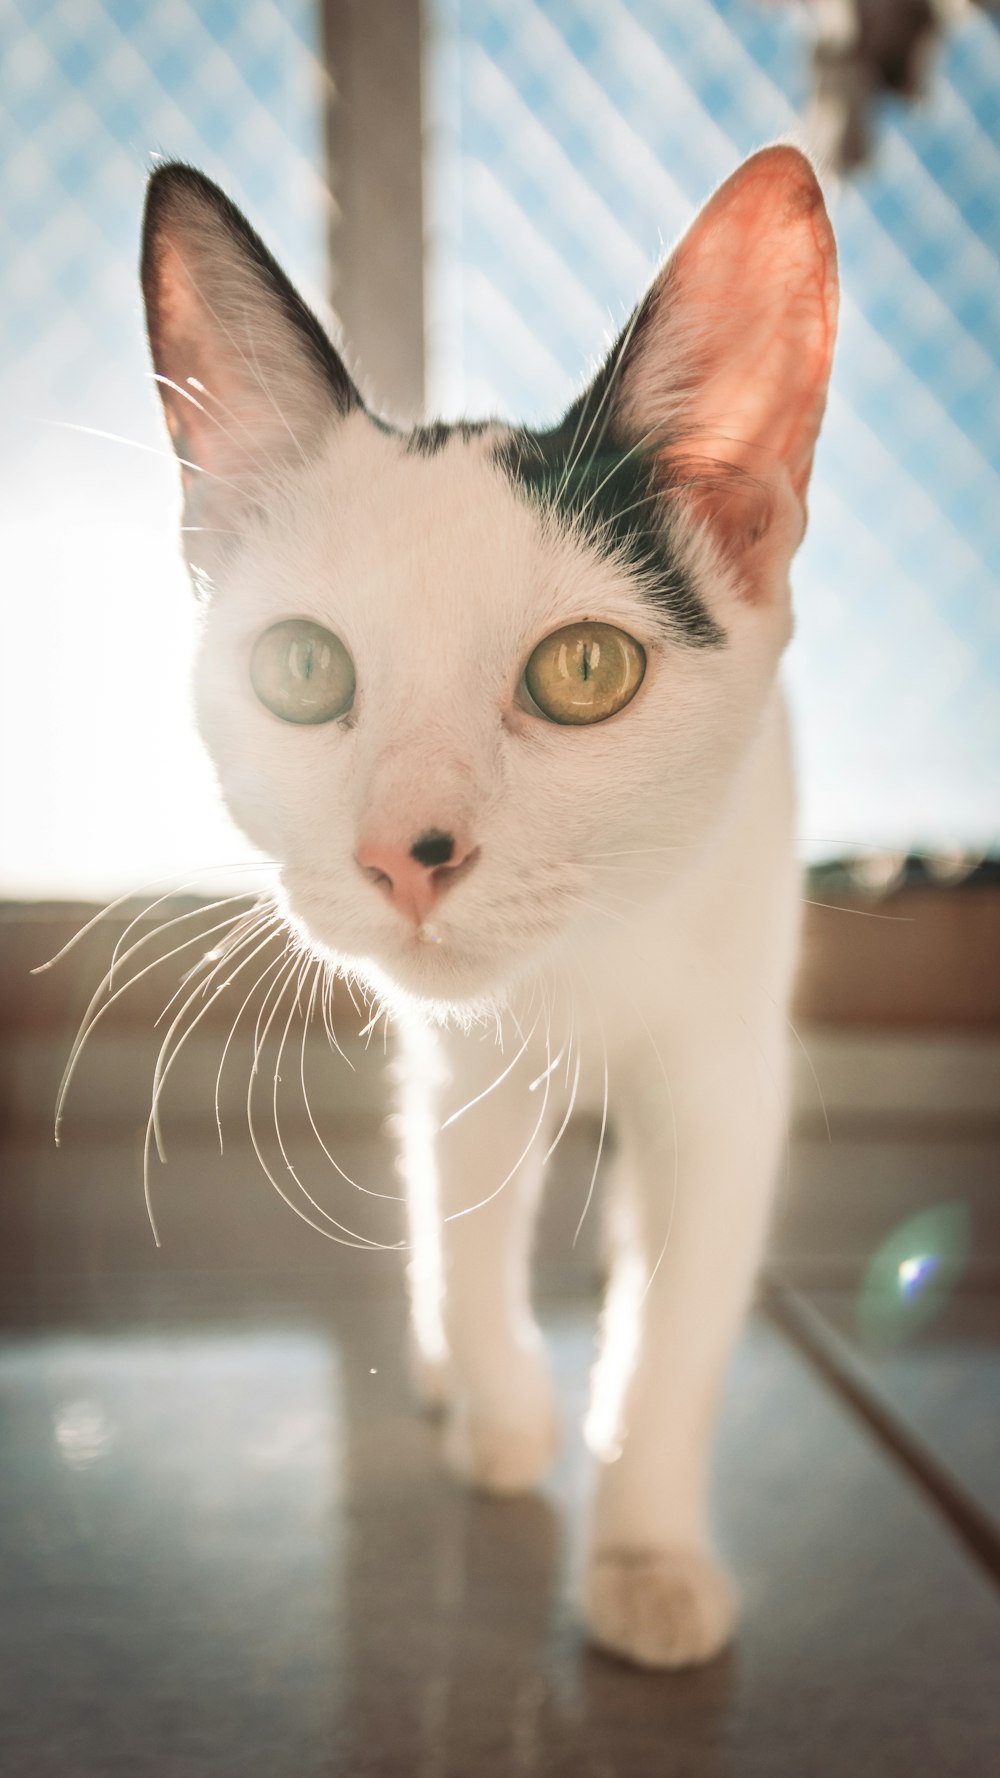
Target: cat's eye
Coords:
[[584, 673], [302, 672]]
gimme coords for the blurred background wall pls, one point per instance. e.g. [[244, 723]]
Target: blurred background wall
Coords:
[[564, 145]]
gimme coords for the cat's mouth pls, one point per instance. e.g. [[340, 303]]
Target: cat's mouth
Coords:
[[435, 961], [464, 957]]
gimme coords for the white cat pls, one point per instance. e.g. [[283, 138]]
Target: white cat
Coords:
[[503, 708]]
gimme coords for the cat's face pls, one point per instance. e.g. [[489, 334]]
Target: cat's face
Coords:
[[478, 692], [440, 580]]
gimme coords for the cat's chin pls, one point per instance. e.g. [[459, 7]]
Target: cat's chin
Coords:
[[440, 983], [427, 985], [455, 977]]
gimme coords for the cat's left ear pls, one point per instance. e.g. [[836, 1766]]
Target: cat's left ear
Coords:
[[248, 378], [725, 368]]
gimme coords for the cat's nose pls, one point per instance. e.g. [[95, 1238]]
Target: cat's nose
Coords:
[[416, 878]]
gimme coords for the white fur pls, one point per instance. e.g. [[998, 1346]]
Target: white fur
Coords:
[[677, 960], [630, 927]]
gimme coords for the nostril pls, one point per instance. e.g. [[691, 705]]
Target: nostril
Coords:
[[411, 880], [433, 848], [381, 864]]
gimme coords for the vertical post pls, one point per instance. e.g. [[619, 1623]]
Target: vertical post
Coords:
[[374, 163]]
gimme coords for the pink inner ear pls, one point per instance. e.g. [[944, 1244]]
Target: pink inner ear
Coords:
[[182, 329], [754, 286], [238, 387]]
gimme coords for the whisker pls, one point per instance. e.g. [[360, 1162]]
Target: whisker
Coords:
[[393, 1197], [557, 1138], [619, 463], [265, 941], [839, 907], [89, 1023], [326, 1005], [361, 1240], [571, 999], [812, 1069], [676, 1175], [455, 1115], [640, 851], [129, 895], [605, 404], [653, 498], [526, 1150], [185, 394], [381, 1010], [200, 988], [789, 1022], [622, 896], [833, 907], [217, 955], [287, 956], [188, 914], [533, 1085], [604, 1115], [594, 907], [626, 870], [161, 1074], [260, 1039], [155, 451]]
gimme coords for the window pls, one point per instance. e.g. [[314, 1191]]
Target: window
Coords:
[[567, 144]]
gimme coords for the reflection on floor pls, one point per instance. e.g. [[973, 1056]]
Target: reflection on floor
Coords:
[[228, 1547]]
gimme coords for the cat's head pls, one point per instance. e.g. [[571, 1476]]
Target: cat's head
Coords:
[[476, 689]]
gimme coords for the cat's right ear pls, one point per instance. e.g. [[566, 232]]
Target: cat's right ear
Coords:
[[248, 378], [723, 372]]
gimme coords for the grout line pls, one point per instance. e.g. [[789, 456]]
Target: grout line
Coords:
[[832, 1358]]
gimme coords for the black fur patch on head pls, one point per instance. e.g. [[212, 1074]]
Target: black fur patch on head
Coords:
[[426, 441], [597, 480], [607, 488]]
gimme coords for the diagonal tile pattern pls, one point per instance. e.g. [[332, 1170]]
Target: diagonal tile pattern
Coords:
[[90, 90]]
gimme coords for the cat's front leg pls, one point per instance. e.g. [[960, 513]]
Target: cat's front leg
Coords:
[[699, 1157], [473, 1187]]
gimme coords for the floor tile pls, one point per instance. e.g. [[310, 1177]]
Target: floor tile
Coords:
[[228, 1547], [942, 1379]]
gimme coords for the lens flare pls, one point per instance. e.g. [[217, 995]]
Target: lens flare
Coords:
[[913, 1273]]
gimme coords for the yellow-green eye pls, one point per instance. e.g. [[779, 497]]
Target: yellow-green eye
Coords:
[[584, 673], [302, 672]]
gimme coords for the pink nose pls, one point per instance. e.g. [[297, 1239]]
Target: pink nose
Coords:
[[415, 879]]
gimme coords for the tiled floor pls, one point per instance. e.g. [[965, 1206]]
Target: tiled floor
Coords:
[[228, 1547], [227, 1544]]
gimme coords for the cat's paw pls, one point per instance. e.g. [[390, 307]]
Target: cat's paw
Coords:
[[500, 1457], [430, 1379], [502, 1437], [659, 1608]]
